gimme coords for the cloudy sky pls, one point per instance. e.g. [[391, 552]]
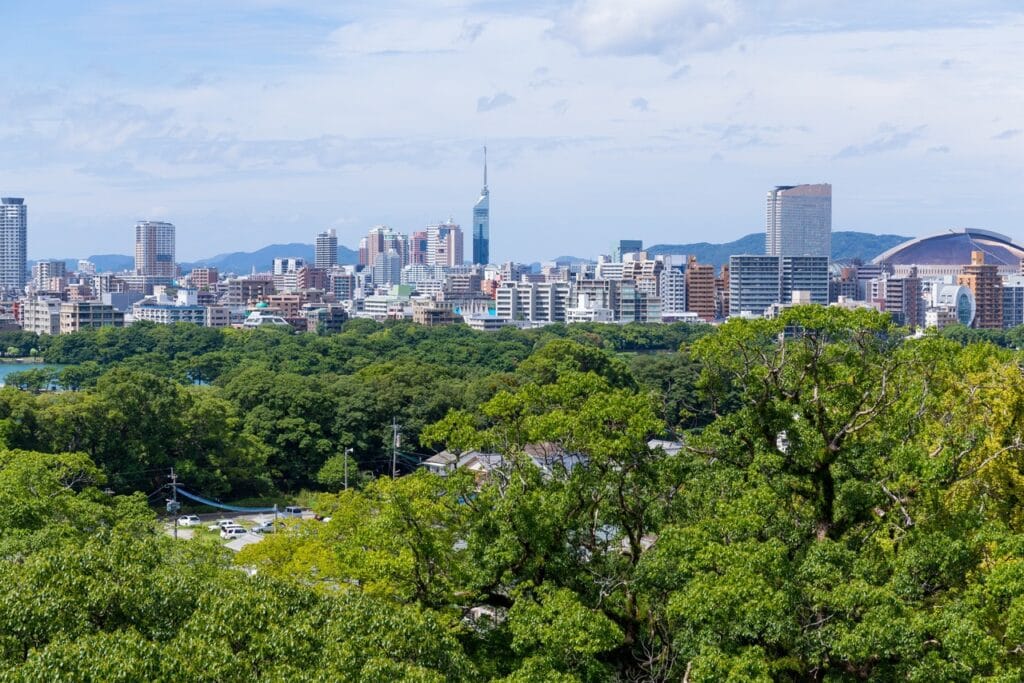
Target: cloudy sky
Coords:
[[247, 122]]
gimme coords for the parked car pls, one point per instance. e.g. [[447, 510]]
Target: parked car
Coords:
[[230, 532], [221, 523], [267, 527], [189, 520], [292, 511]]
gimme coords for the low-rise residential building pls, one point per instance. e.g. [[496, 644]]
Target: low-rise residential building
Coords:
[[81, 315], [327, 318], [432, 314], [486, 323], [217, 316], [535, 302], [41, 316]]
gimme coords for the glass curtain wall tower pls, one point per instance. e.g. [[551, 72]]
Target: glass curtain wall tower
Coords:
[[798, 221], [482, 223]]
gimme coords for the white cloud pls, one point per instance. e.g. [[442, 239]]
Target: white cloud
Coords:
[[669, 28], [403, 36], [400, 103]]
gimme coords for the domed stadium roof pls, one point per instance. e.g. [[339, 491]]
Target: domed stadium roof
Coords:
[[953, 248]]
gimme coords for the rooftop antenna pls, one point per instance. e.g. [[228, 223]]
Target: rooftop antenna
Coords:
[[485, 167]]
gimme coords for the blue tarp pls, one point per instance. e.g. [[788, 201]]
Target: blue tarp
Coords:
[[222, 506]]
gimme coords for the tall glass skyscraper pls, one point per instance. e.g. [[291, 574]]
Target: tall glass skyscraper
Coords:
[[482, 223], [798, 221], [13, 234]]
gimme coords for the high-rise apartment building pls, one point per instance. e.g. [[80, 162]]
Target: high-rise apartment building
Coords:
[[286, 272], [204, 278], [722, 292], [900, 297], [645, 274], [444, 245], [154, 249], [482, 223], [1013, 301], [798, 221], [985, 283], [380, 240], [45, 271], [387, 269], [287, 264], [13, 243], [326, 250], [804, 274], [754, 283], [673, 287], [418, 248], [700, 289]]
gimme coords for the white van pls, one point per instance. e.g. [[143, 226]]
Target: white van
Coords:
[[293, 511], [230, 532]]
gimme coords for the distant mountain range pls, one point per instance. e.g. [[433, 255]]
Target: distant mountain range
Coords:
[[846, 246], [234, 262], [263, 259]]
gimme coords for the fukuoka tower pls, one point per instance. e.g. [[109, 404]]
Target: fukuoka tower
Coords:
[[482, 223]]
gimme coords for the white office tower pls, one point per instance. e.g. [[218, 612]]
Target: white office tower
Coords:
[[673, 285], [798, 221], [289, 264], [444, 245], [13, 241], [326, 250], [154, 249]]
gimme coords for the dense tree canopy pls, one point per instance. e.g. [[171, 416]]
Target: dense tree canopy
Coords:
[[841, 503]]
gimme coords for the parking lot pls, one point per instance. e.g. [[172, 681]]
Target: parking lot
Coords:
[[248, 521]]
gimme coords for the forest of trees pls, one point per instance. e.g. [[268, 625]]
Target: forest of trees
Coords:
[[847, 504]]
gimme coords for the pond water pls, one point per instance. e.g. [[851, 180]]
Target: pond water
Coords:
[[8, 368]]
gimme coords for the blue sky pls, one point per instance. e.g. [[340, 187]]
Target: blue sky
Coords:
[[259, 121]]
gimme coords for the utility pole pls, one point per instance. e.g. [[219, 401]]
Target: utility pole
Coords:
[[394, 448], [348, 452], [175, 505]]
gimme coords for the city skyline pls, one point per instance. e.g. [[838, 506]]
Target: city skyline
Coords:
[[596, 113]]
